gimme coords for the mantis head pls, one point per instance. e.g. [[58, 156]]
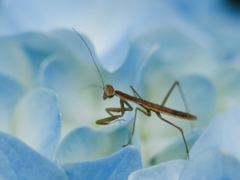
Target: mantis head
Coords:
[[109, 91]]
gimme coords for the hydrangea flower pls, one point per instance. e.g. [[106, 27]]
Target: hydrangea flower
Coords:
[[46, 102]]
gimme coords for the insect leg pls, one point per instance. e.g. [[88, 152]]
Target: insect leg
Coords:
[[107, 120], [113, 117], [180, 129], [147, 112], [122, 109]]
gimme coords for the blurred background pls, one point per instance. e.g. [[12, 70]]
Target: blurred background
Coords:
[[147, 44]]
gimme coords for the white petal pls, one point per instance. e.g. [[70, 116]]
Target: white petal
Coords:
[[38, 121]]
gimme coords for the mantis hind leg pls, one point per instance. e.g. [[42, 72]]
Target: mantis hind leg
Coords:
[[180, 129]]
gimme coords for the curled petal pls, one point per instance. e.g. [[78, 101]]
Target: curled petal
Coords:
[[14, 62], [169, 170], [170, 153], [202, 99], [82, 144], [115, 57], [117, 166], [86, 143], [211, 163], [38, 121], [10, 92], [223, 132], [18, 161]]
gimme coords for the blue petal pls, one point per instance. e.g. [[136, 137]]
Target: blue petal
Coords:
[[10, 92], [169, 170], [115, 56], [211, 163], [170, 152], [58, 73], [82, 144], [74, 46], [38, 121], [18, 161], [37, 47], [131, 68], [223, 132], [86, 143], [229, 86], [70, 70], [202, 99], [68, 78], [14, 62], [116, 166]]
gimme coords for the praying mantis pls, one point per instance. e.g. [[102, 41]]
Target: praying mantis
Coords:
[[147, 107]]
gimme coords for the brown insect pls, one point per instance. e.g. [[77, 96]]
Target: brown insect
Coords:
[[147, 106]]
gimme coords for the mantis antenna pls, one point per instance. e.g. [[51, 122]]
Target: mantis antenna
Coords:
[[91, 56]]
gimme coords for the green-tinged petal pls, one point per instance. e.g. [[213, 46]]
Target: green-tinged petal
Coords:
[[37, 121]]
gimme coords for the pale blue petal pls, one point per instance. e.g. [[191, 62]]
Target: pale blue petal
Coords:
[[74, 46], [176, 149], [115, 56], [37, 47], [169, 170], [83, 144], [211, 163], [37, 121], [18, 161], [10, 92], [70, 79], [65, 68], [116, 166], [86, 143], [130, 72], [63, 43], [223, 132], [229, 86], [14, 62], [201, 97], [121, 131], [59, 73]]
